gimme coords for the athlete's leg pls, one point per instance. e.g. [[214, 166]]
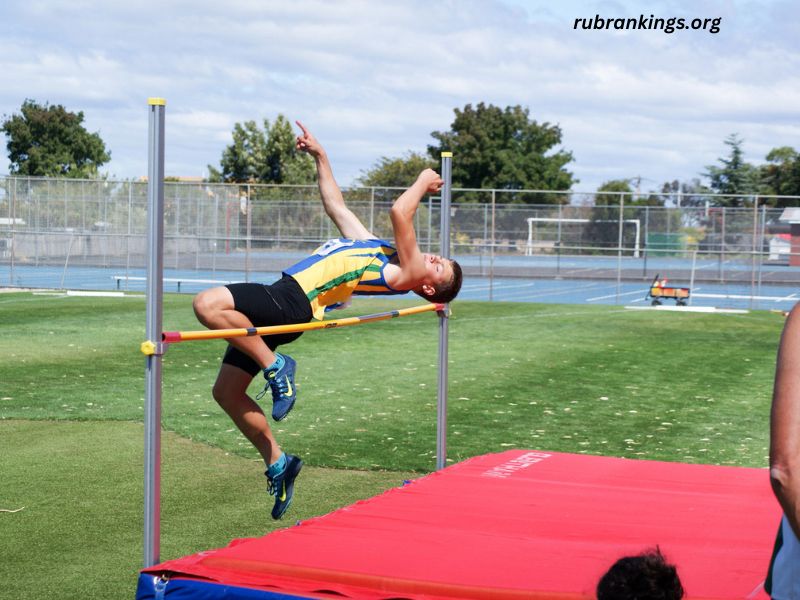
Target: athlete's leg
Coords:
[[215, 309], [230, 392], [245, 305]]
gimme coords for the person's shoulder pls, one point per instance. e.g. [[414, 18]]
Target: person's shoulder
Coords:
[[376, 242], [383, 242]]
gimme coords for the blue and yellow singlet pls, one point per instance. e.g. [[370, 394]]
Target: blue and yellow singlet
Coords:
[[342, 267]]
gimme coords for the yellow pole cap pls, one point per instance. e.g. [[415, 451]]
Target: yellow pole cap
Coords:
[[447, 155], [156, 101], [148, 348]]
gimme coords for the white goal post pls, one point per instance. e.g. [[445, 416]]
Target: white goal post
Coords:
[[559, 220]]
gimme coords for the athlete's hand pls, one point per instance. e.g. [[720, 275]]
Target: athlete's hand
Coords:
[[431, 180], [307, 142]]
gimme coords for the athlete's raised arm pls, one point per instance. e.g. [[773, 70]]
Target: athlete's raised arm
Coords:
[[412, 263], [348, 223]]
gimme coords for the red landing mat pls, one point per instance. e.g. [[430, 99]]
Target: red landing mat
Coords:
[[520, 524]]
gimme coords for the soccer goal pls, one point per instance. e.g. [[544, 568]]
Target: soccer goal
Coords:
[[532, 221]]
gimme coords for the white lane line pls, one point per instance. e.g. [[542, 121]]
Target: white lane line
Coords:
[[743, 297], [615, 295]]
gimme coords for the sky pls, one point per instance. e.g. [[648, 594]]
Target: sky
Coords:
[[374, 78]]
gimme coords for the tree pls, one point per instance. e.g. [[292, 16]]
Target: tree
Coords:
[[503, 149], [603, 229], [735, 176], [683, 193], [263, 156], [781, 175], [612, 192], [396, 172], [49, 141]]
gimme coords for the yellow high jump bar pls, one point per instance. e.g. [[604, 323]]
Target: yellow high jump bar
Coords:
[[171, 337]]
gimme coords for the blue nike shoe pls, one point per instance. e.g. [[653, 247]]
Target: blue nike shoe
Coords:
[[281, 382], [282, 485]]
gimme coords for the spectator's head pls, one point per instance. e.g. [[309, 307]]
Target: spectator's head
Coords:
[[647, 576]]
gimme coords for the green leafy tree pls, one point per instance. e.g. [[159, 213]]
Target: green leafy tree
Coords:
[[240, 161], [50, 141], [735, 176], [504, 149], [265, 155], [603, 229], [613, 191], [396, 172], [781, 175]]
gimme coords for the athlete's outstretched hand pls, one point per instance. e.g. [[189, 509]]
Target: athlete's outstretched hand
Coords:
[[307, 142]]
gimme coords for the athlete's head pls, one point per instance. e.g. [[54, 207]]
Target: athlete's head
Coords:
[[443, 280]]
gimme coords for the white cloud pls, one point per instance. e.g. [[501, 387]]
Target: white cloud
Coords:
[[376, 78]]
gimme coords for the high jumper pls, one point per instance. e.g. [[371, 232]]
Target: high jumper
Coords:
[[357, 263]]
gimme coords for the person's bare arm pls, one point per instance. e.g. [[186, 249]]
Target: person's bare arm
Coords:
[[412, 266], [784, 452], [348, 223]]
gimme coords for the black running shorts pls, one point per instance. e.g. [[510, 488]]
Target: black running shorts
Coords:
[[282, 303]]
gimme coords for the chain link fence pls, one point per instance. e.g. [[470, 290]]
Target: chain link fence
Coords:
[[63, 233]]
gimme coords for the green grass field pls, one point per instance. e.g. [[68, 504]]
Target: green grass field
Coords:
[[584, 379]]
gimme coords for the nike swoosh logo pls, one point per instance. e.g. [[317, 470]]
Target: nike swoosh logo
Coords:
[[289, 390], [283, 496]]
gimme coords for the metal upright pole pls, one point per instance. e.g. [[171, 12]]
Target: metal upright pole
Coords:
[[619, 245], [691, 279], [155, 288], [491, 248], [372, 209], [12, 213], [249, 225], [441, 406], [646, 235], [760, 248], [753, 258]]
